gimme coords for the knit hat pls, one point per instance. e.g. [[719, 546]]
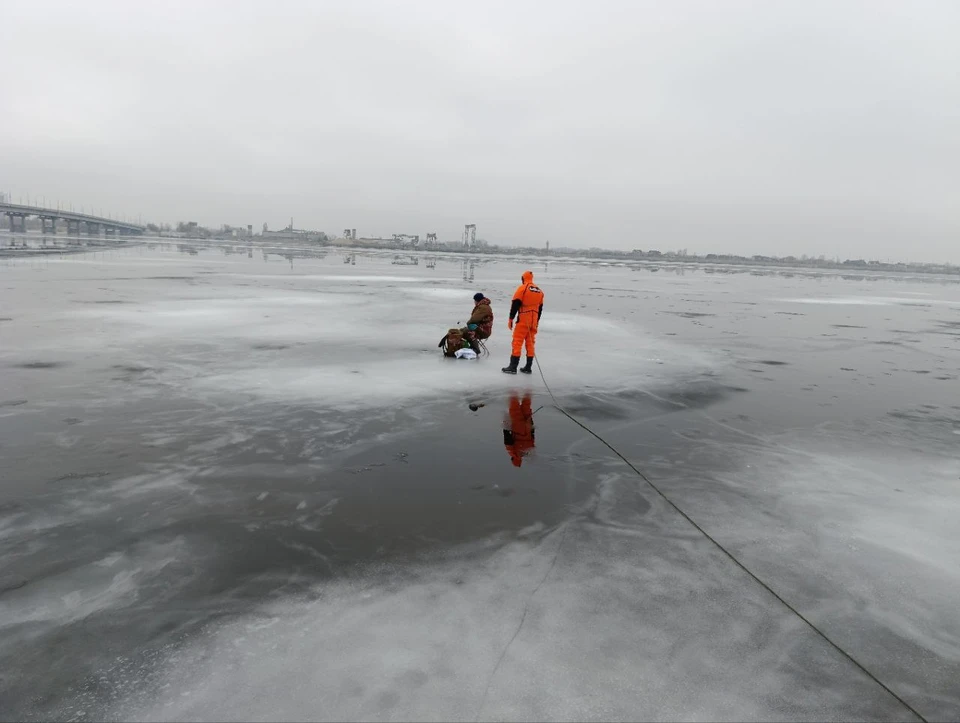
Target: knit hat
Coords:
[[478, 297]]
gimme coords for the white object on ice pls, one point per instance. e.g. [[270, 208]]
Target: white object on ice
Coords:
[[465, 354]]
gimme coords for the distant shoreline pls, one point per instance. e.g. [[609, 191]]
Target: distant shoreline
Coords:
[[25, 245]]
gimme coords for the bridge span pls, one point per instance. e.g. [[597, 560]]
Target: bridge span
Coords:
[[94, 225]]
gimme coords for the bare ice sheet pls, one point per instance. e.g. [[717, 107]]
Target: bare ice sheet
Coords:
[[243, 485]]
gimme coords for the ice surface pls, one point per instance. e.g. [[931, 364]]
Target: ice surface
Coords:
[[492, 637], [869, 300], [240, 485]]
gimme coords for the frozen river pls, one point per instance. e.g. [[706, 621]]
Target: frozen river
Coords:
[[241, 486]]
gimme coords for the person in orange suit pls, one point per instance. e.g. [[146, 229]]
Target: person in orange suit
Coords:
[[518, 431], [527, 307]]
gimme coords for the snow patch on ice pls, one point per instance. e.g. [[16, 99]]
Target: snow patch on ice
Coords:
[[863, 300], [373, 382], [464, 295], [346, 278]]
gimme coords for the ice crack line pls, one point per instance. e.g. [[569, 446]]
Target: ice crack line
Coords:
[[722, 549]]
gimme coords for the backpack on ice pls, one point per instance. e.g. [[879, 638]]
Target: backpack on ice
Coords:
[[453, 342], [456, 340]]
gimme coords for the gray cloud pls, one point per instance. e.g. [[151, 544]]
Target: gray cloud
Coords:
[[777, 127]]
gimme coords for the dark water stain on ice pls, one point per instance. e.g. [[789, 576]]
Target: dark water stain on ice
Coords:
[[924, 414], [773, 363], [689, 314], [692, 396], [270, 347], [847, 326], [132, 369], [368, 467], [70, 476], [40, 365], [10, 586], [13, 402], [593, 408]]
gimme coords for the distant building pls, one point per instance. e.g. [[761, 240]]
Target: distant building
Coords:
[[227, 231], [296, 234]]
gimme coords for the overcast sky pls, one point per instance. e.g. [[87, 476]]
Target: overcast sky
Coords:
[[755, 127]]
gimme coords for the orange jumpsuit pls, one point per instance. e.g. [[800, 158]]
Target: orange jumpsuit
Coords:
[[528, 303], [519, 437]]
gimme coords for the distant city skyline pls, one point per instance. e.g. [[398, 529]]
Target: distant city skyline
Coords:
[[28, 199]]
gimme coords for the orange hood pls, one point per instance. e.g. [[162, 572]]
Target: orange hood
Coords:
[[527, 277]]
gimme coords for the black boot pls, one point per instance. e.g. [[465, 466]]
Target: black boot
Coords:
[[528, 369], [512, 369]]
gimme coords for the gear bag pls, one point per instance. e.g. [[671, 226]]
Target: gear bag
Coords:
[[453, 342]]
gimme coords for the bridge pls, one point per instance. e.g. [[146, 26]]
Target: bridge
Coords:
[[94, 225]]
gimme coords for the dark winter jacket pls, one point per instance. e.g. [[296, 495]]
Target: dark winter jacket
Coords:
[[482, 316]]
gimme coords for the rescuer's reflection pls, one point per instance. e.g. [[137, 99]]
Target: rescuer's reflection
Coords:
[[518, 430]]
